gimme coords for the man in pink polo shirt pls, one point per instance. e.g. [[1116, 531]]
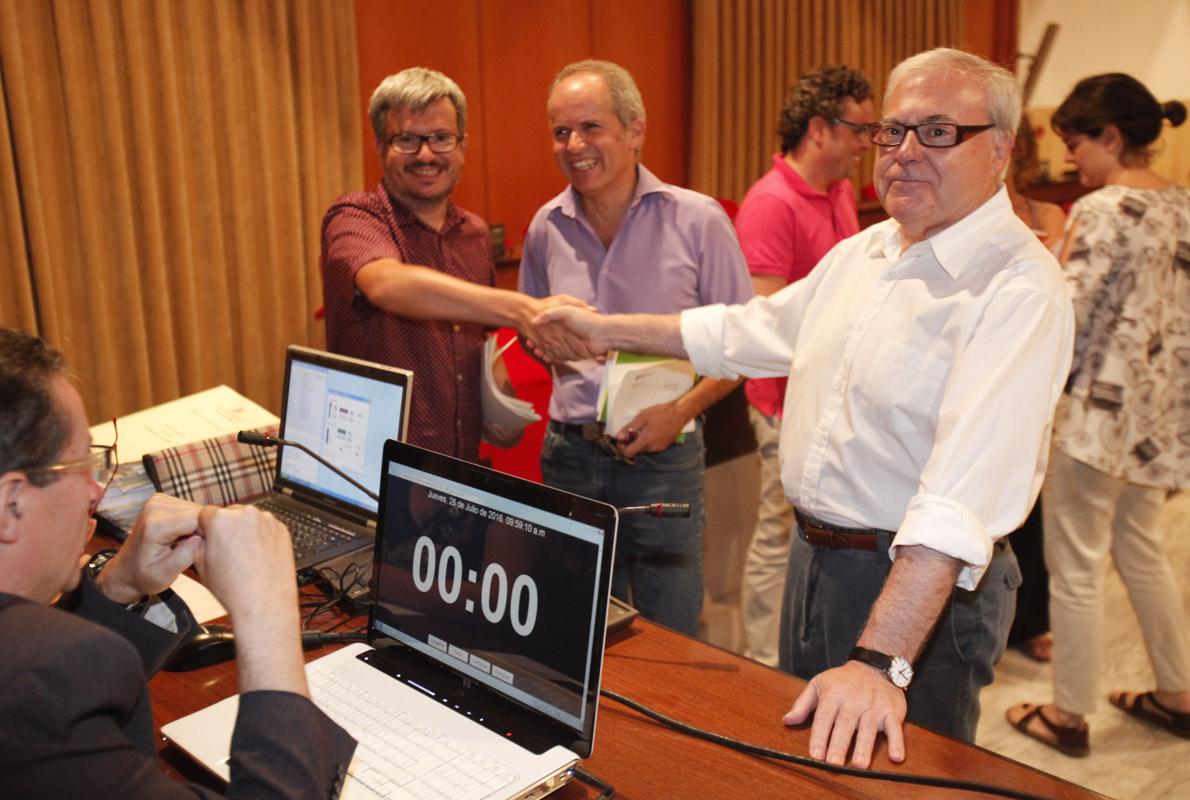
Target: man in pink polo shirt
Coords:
[[789, 219]]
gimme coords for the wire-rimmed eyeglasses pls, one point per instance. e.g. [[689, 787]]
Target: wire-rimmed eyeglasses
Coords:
[[410, 143], [99, 465], [929, 134]]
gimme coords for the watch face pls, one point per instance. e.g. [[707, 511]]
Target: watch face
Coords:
[[900, 672]]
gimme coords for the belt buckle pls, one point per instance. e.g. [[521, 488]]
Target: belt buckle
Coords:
[[592, 431], [839, 541]]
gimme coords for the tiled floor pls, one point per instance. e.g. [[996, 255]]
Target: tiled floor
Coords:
[[1128, 759]]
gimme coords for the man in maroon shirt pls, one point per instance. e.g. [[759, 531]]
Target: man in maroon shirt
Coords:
[[408, 277]]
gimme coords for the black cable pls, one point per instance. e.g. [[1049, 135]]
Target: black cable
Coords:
[[606, 789], [758, 750]]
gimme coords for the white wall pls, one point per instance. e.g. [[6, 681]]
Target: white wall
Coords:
[[1148, 39]]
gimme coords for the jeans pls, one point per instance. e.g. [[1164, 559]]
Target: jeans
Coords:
[[658, 562], [829, 594]]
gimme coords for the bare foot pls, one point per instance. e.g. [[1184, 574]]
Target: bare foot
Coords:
[[1039, 648]]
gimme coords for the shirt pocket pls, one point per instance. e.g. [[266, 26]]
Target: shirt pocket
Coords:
[[902, 387]]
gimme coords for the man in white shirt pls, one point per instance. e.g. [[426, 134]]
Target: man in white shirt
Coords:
[[926, 354]]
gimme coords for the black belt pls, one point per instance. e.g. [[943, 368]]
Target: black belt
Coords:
[[832, 537], [588, 431]]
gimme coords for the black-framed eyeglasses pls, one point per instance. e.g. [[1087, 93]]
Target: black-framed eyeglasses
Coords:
[[608, 444], [99, 465], [862, 128], [929, 134], [410, 143]]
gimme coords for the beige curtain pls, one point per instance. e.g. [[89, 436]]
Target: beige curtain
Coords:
[[748, 52], [165, 166]]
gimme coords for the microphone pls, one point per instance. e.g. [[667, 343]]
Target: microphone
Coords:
[[264, 440], [659, 510]]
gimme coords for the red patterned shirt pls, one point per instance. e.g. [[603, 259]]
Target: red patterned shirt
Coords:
[[444, 356]]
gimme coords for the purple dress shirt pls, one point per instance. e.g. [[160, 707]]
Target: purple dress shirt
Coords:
[[675, 249]]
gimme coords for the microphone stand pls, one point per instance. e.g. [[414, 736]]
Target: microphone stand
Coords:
[[264, 440]]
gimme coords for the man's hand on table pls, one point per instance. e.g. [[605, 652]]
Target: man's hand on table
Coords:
[[854, 700]]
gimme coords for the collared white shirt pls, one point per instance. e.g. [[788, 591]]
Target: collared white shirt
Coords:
[[921, 384]]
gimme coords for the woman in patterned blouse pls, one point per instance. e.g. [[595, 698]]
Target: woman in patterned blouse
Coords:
[[1122, 430]]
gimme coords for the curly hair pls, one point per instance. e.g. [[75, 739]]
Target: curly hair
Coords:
[[33, 428], [818, 94]]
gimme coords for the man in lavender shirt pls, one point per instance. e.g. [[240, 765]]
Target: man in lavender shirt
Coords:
[[623, 241]]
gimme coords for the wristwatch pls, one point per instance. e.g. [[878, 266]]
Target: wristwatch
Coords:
[[898, 669], [99, 561]]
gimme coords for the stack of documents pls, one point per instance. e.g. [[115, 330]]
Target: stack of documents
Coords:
[[213, 412], [510, 413], [633, 382]]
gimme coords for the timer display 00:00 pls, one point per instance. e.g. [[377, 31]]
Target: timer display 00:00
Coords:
[[447, 569]]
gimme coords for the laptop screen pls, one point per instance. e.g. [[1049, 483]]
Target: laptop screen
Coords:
[[503, 580], [344, 410]]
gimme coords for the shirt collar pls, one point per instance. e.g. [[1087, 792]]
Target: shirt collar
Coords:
[[646, 183], [406, 218], [952, 246], [798, 183]]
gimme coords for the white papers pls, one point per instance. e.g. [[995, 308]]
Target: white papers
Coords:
[[510, 413], [202, 604], [633, 382], [213, 412]]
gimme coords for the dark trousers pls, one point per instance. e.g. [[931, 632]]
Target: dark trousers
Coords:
[[658, 562], [829, 595], [1033, 597]]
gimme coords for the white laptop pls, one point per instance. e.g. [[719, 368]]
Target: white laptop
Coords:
[[344, 409], [486, 639]]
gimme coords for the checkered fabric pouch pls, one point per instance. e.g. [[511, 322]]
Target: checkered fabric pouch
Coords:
[[217, 471]]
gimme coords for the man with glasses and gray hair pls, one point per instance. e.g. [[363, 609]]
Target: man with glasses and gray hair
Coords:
[[408, 277], [81, 636], [925, 357], [623, 241]]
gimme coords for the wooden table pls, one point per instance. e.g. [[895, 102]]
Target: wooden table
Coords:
[[703, 686]]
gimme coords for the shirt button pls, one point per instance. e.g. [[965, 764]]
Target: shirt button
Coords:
[[454, 328], [459, 376]]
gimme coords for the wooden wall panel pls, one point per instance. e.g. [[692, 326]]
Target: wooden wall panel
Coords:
[[523, 44], [652, 41]]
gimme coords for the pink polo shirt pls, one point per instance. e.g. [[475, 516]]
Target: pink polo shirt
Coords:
[[785, 227]]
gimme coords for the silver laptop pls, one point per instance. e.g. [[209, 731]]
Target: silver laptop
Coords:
[[344, 409], [486, 639]]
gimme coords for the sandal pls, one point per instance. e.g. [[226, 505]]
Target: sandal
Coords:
[[1074, 742], [1147, 708]]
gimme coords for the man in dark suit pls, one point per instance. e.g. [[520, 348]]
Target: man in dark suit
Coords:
[[79, 641]]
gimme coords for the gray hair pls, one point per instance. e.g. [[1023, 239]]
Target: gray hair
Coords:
[[626, 102], [1001, 87], [415, 89]]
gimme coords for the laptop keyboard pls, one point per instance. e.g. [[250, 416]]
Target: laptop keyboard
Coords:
[[398, 757], [309, 537]]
